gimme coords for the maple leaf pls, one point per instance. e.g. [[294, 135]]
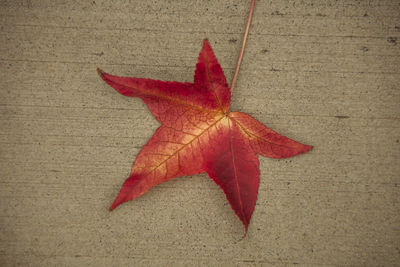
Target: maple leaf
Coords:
[[199, 134]]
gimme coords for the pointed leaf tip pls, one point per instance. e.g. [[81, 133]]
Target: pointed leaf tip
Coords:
[[114, 205], [245, 233], [100, 72]]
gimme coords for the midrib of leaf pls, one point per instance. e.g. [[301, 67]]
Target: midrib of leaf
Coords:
[[250, 134], [235, 173], [185, 145], [160, 96], [211, 81]]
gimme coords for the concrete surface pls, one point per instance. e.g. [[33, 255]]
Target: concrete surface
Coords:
[[325, 73]]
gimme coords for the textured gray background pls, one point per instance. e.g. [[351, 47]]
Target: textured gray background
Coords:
[[325, 73]]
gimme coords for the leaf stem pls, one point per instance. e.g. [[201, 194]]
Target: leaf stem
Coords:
[[243, 45]]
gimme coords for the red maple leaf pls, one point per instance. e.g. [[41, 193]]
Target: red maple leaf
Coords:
[[199, 134]]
